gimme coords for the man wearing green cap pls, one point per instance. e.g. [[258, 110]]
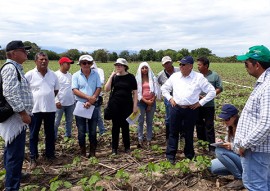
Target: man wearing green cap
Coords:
[[252, 136]]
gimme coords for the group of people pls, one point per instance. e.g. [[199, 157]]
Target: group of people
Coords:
[[42, 95]]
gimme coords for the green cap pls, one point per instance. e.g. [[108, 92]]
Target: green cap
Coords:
[[260, 53]]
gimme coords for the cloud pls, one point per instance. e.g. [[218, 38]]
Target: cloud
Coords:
[[226, 27]]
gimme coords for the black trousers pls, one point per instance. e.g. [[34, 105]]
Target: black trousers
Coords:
[[117, 124], [205, 124]]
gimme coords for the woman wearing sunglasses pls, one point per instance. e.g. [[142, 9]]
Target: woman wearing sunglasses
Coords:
[[228, 162]]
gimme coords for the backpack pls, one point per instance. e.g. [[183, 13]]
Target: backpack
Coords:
[[6, 110]]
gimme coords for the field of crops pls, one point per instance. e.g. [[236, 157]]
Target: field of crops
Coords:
[[143, 169]]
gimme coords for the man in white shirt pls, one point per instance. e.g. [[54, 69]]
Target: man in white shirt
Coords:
[[186, 86], [44, 86], [65, 98]]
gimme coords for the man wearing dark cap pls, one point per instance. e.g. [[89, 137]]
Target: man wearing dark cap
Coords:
[[65, 99], [252, 136], [186, 86], [18, 94]]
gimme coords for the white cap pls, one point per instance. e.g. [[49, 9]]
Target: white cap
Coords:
[[166, 59], [122, 61], [85, 57]]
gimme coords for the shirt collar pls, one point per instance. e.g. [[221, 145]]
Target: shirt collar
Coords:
[[19, 66]]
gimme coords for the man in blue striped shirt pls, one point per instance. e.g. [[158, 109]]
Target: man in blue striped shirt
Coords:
[[252, 136]]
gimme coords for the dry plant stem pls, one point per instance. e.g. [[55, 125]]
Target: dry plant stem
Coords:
[[149, 188], [179, 182], [166, 182]]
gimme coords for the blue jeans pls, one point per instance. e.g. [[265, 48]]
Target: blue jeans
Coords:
[[167, 116], [100, 123], [13, 161], [85, 124], [181, 120], [227, 162], [68, 110], [256, 170], [149, 120], [36, 120]]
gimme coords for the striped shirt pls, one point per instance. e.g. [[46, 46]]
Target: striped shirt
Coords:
[[17, 94], [253, 129]]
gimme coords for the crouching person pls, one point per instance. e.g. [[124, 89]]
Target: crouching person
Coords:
[[86, 86]]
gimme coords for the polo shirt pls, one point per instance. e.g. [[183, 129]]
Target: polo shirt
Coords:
[[43, 88], [87, 86]]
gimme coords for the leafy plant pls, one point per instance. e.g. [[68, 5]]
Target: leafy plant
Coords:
[[93, 160], [202, 162], [203, 145], [137, 154], [183, 166], [122, 176], [157, 149]]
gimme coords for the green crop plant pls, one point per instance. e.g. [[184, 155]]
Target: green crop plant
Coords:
[[122, 176], [93, 161], [203, 145], [93, 180], [183, 166], [157, 149], [202, 162], [137, 154], [31, 188], [165, 166]]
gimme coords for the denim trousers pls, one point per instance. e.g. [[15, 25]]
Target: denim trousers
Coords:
[[100, 123], [181, 120], [205, 124], [68, 110], [167, 116], [48, 119], [256, 170], [149, 120], [85, 125], [13, 161], [227, 162]]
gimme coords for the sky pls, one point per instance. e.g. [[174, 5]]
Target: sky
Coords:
[[226, 27]]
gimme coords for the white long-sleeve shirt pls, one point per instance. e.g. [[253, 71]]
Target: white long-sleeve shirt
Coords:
[[186, 90]]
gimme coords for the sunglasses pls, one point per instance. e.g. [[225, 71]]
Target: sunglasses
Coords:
[[182, 64], [86, 62], [120, 65]]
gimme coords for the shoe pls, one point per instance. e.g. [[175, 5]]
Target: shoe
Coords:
[[53, 160], [127, 151], [83, 151], [236, 185], [114, 151], [25, 177], [172, 161], [33, 164]]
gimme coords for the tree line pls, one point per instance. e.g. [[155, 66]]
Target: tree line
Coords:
[[104, 56]]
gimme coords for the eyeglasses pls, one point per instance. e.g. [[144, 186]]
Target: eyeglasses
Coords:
[[182, 64], [86, 62], [119, 65]]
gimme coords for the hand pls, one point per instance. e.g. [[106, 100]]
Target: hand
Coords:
[[113, 74], [135, 109], [25, 117], [91, 99], [226, 145], [218, 140], [172, 102], [195, 106], [242, 151], [87, 105], [58, 105]]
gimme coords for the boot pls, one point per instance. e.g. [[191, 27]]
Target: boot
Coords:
[[92, 152], [83, 151]]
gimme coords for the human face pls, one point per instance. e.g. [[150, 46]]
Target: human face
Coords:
[[20, 54], [119, 68], [201, 67], [229, 121], [251, 69], [85, 64], [42, 63], [167, 66], [144, 70], [185, 69], [65, 67]]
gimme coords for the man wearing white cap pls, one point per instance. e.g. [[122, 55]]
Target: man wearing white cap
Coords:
[[86, 86], [162, 77]]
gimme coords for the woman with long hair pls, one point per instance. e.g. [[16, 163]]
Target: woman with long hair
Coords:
[[228, 161]]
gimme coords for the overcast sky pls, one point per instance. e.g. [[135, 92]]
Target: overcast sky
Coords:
[[227, 27]]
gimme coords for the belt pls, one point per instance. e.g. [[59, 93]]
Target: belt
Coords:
[[183, 106]]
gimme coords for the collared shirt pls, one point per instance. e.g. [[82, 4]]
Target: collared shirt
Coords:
[[215, 80], [17, 94], [186, 90], [87, 86], [162, 76], [65, 95], [43, 88], [253, 128]]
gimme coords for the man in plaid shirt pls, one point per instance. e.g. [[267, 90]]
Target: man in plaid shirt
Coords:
[[252, 136]]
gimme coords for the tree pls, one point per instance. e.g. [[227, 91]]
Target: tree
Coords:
[[125, 54], [199, 52], [101, 55], [171, 53], [113, 56], [32, 52], [73, 54], [159, 55], [184, 52], [52, 55]]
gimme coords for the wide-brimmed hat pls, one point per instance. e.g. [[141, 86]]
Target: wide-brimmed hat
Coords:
[[122, 61]]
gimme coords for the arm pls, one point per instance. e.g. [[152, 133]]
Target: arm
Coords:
[[108, 85], [135, 101], [90, 99]]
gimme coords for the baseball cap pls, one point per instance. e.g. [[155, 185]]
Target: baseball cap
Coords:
[[16, 44], [227, 111], [166, 59], [122, 61], [259, 52], [65, 60], [187, 60], [85, 57]]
